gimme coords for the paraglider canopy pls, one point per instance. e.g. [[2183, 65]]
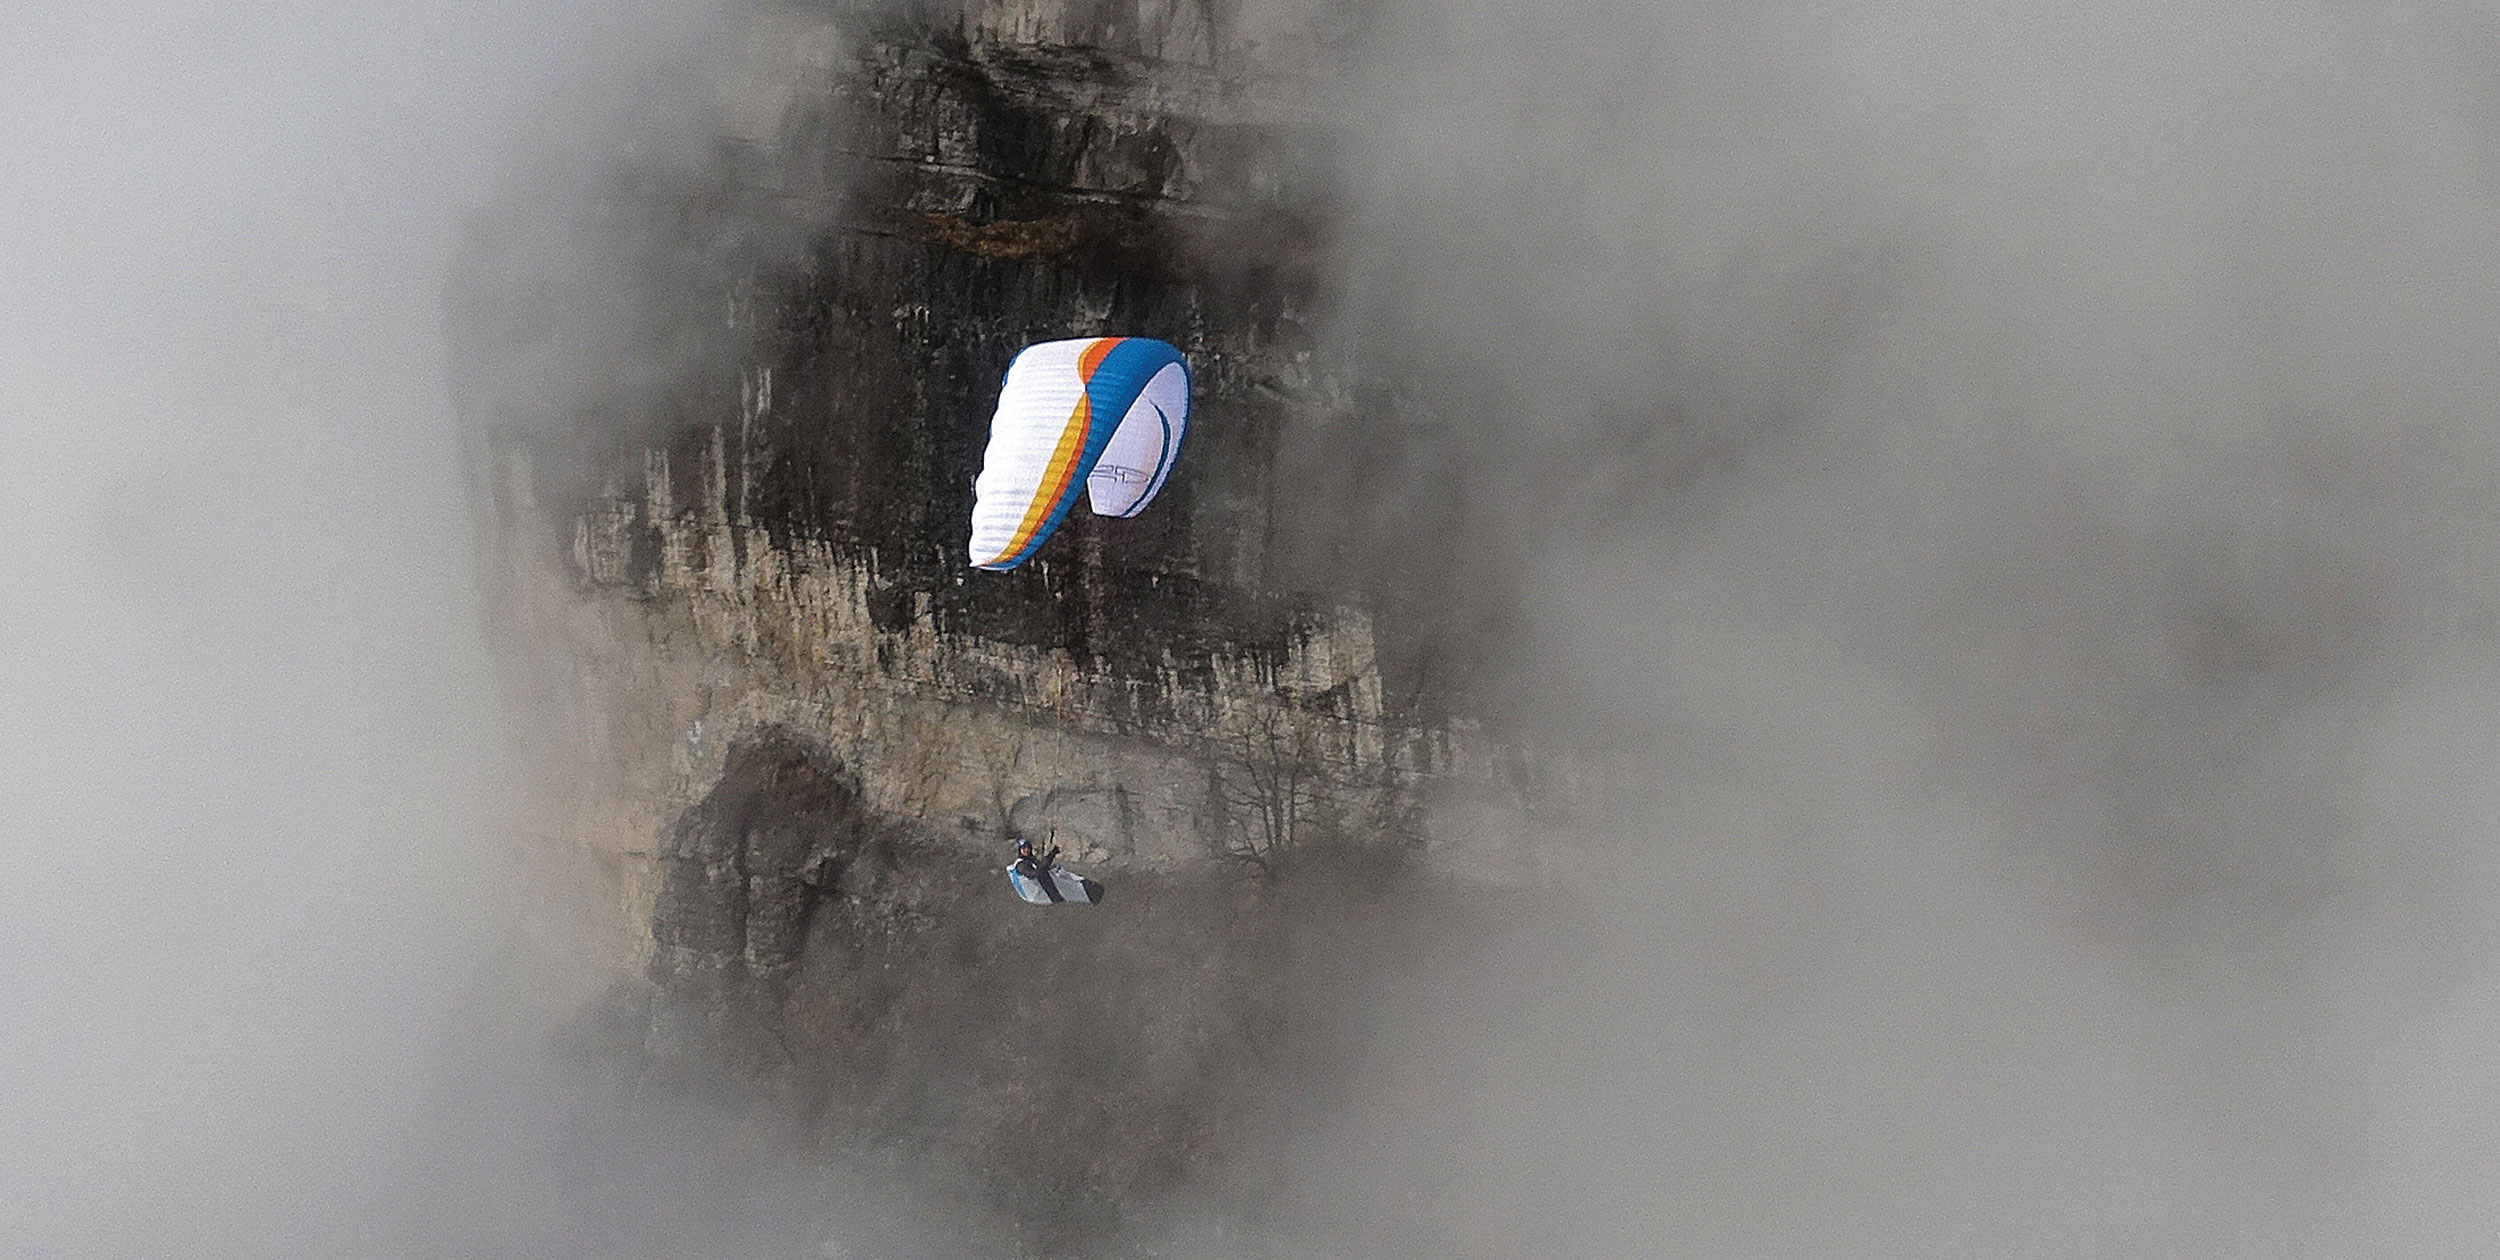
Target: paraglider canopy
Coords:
[[1103, 413]]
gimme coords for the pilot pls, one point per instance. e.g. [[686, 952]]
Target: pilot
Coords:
[[1034, 866]]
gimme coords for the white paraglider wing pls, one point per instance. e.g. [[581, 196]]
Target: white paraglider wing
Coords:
[[1067, 409]]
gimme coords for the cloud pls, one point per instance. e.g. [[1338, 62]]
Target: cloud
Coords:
[[2000, 486], [263, 991]]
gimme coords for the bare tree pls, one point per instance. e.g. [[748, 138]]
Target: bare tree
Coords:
[[1278, 790]]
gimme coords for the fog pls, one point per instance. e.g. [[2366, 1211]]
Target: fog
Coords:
[[2006, 494], [262, 989], [2006, 490]]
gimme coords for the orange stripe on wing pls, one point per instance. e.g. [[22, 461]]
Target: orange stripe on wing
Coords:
[[1093, 356]]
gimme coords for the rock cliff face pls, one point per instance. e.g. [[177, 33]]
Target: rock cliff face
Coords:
[[803, 727]]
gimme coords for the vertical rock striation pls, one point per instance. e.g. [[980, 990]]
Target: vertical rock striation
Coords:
[[768, 536], [802, 727]]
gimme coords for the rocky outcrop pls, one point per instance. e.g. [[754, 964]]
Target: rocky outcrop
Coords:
[[741, 872], [797, 729], [769, 538]]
